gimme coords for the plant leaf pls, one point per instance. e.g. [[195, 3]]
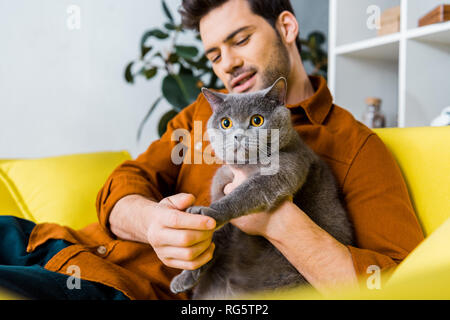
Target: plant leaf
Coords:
[[306, 55], [145, 50], [128, 75], [188, 52], [170, 26], [173, 93], [180, 90], [201, 64], [157, 33], [319, 37], [141, 126], [184, 70], [173, 58], [167, 11], [190, 86], [150, 73], [162, 126]]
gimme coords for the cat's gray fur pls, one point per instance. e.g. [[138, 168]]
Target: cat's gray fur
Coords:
[[244, 263]]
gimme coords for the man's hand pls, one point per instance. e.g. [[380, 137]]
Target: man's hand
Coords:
[[181, 240], [322, 260], [255, 224]]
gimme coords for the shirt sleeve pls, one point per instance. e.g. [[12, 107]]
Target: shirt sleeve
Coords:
[[377, 199], [152, 174]]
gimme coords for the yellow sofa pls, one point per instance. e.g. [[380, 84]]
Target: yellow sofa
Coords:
[[63, 190]]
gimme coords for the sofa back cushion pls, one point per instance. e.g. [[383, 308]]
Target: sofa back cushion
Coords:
[[423, 155], [59, 189], [7, 202]]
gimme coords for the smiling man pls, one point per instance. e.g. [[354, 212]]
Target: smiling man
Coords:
[[144, 236], [250, 54], [250, 44]]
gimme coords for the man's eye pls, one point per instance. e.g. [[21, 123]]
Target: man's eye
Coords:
[[243, 41], [215, 58]]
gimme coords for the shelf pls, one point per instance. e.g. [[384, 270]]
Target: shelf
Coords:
[[382, 48], [408, 70], [416, 9], [427, 66], [386, 47], [439, 33], [352, 16]]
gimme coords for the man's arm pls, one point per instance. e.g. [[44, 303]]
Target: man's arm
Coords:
[[321, 259], [152, 174], [138, 203], [180, 240]]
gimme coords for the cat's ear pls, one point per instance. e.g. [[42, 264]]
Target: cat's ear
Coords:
[[278, 91], [215, 99]]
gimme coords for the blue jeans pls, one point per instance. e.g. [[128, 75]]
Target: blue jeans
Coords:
[[23, 273]]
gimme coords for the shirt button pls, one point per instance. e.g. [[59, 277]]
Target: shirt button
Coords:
[[101, 250]]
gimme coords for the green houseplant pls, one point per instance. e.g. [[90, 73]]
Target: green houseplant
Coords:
[[186, 70]]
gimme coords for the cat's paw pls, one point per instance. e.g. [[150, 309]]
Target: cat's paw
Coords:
[[184, 281], [177, 285], [207, 211]]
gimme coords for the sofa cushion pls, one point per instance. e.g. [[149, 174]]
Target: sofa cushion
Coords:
[[423, 155], [7, 203], [424, 274], [431, 254], [59, 189]]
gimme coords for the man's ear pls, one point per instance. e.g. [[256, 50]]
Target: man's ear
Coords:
[[278, 91], [289, 28], [215, 99]]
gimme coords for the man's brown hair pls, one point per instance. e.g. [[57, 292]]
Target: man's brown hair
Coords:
[[192, 11]]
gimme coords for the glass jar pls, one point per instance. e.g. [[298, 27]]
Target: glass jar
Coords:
[[373, 117]]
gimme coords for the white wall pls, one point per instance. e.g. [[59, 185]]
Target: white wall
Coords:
[[312, 15], [62, 91]]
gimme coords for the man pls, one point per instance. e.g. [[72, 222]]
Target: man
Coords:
[[145, 237]]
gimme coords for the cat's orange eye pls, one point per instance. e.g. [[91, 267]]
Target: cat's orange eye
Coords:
[[257, 121], [226, 123]]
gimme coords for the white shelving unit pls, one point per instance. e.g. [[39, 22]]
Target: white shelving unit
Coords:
[[408, 70]]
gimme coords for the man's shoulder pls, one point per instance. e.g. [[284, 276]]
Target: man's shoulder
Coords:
[[344, 135], [197, 110]]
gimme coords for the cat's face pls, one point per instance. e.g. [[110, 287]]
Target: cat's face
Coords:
[[244, 127]]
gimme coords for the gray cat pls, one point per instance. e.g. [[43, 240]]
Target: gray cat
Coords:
[[244, 263]]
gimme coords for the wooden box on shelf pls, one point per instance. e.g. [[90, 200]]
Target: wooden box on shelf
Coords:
[[439, 14], [390, 21]]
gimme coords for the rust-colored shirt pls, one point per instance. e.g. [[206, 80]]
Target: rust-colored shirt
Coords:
[[374, 191]]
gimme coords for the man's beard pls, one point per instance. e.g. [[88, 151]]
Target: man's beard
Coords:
[[279, 66]]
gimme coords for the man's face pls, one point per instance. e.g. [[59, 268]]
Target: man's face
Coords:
[[245, 51]]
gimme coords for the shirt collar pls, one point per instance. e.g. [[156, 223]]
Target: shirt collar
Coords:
[[319, 104]]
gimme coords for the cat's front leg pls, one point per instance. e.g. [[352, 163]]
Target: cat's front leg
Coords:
[[258, 193], [184, 281], [220, 217], [223, 176], [187, 279]]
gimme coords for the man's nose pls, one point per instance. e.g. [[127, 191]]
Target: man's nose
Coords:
[[231, 62]]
